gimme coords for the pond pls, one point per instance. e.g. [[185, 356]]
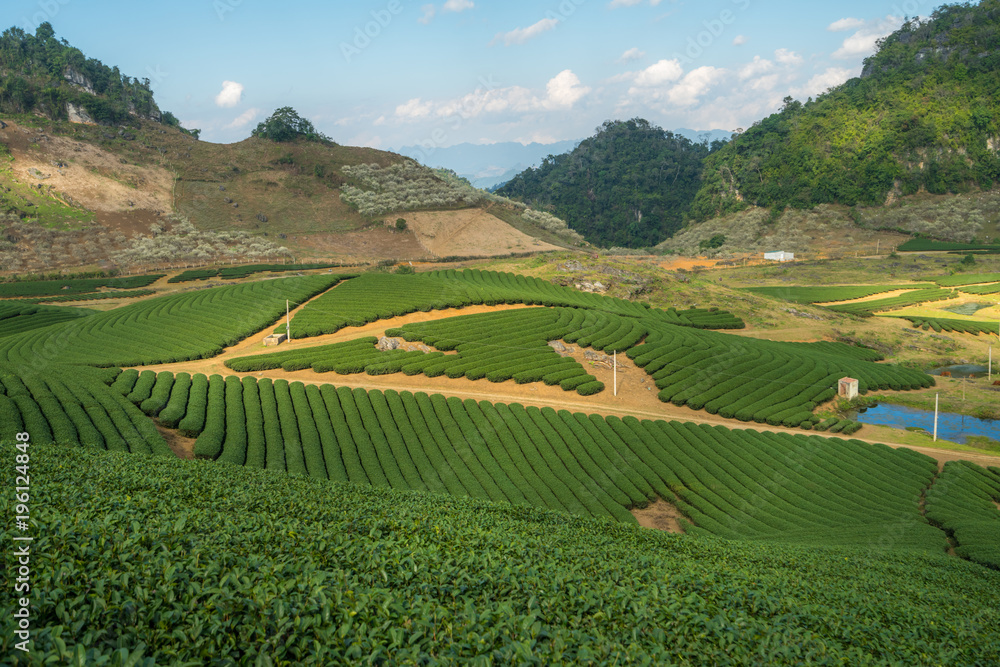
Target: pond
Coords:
[[951, 426], [967, 308], [960, 370]]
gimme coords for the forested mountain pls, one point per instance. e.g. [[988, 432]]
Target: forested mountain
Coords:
[[42, 73], [924, 114], [629, 185]]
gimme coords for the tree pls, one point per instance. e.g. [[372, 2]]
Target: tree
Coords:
[[285, 124]]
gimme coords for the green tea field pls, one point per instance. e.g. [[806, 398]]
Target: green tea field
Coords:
[[473, 409]]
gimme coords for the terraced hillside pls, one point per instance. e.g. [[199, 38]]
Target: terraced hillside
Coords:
[[756, 503]]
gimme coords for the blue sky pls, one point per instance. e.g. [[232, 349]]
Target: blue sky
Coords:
[[388, 73]]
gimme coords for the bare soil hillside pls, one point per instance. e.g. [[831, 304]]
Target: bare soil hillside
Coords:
[[470, 232]]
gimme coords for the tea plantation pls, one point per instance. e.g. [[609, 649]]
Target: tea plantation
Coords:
[[940, 324], [189, 325], [325, 525], [141, 559]]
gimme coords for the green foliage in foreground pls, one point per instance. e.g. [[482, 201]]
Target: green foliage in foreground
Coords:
[[161, 558], [939, 324], [828, 293]]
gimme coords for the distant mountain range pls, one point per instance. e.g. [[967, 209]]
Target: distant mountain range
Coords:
[[489, 165]]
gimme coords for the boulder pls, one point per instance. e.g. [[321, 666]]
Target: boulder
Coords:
[[386, 343]]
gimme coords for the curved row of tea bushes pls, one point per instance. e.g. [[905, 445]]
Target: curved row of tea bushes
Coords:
[[375, 296], [734, 484], [177, 327], [964, 502], [869, 308], [63, 286], [808, 294], [940, 324], [75, 407], [17, 317], [756, 380]]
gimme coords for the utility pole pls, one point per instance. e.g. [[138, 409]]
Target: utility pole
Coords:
[[616, 372], [935, 415], [878, 244], [288, 323]]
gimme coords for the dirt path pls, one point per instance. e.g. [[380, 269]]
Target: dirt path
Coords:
[[636, 392], [182, 447], [660, 515]]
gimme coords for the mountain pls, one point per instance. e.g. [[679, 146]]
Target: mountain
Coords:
[[486, 165], [93, 175], [39, 73], [489, 165], [923, 116], [629, 185]]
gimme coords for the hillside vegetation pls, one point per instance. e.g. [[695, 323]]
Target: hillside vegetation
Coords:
[[922, 116], [338, 573], [41, 73], [629, 185]]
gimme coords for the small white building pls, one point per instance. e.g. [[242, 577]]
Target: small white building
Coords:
[[780, 256], [274, 339], [847, 388]]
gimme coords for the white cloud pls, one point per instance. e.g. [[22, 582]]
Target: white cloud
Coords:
[[429, 12], [845, 24], [457, 5], [756, 67], [564, 90], [739, 40], [786, 57], [829, 78], [660, 72], [244, 118], [695, 83], [230, 95], [862, 42], [632, 54], [521, 35], [414, 108]]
